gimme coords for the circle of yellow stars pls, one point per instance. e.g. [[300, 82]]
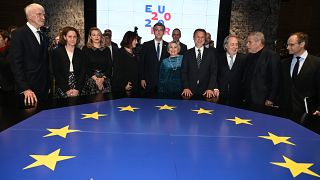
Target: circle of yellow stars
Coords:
[[51, 159]]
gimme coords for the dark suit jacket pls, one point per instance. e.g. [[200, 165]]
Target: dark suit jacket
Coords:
[[149, 68], [265, 80], [307, 84], [230, 82], [183, 48], [6, 77], [61, 65], [198, 80], [29, 62]]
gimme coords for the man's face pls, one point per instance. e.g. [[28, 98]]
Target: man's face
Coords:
[[37, 17], [158, 32], [232, 46], [176, 34], [294, 47], [252, 44], [199, 39], [208, 38]]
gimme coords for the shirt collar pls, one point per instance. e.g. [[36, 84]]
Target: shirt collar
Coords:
[[33, 29], [303, 55]]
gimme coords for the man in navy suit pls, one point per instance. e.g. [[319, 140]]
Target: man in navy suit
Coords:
[[231, 66], [300, 77], [153, 52], [29, 57], [199, 69]]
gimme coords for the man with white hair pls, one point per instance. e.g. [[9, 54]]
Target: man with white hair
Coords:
[[262, 73], [29, 57]]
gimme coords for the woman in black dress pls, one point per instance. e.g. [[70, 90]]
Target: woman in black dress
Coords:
[[125, 77], [68, 64], [99, 64]]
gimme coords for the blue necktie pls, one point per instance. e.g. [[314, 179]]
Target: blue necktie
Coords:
[[158, 51], [296, 68]]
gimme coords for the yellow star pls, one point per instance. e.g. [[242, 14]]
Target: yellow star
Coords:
[[296, 168], [60, 132], [240, 121], [49, 160], [94, 115], [166, 107], [277, 139], [203, 111], [128, 108]]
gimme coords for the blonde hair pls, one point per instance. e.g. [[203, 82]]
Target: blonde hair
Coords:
[[89, 42]]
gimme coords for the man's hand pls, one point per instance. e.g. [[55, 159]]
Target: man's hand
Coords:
[[30, 97], [143, 84], [186, 92], [268, 103], [208, 94]]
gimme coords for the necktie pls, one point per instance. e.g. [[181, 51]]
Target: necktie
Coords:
[[41, 37], [158, 51], [199, 58], [296, 68], [231, 62]]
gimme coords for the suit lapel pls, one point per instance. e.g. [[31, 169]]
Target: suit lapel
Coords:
[[304, 68]]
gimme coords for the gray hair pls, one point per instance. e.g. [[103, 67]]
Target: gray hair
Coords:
[[226, 40], [258, 36], [31, 7]]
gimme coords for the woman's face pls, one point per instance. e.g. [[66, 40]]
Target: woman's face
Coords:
[[3, 41], [173, 49], [134, 43], [71, 38], [95, 36]]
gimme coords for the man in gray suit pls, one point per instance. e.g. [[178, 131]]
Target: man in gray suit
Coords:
[[29, 57]]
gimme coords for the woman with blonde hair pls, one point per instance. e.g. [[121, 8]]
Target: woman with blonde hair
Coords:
[[98, 62]]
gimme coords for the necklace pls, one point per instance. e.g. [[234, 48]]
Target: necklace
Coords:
[[174, 63]]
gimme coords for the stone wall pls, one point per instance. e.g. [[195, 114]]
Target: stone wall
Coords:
[[61, 13], [253, 15]]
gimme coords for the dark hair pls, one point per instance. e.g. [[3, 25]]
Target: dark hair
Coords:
[[176, 29], [65, 31], [159, 24], [199, 30], [302, 37], [128, 38]]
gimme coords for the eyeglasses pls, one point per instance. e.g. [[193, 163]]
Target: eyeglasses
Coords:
[[40, 14]]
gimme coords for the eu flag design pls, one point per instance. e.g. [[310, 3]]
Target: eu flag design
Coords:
[[158, 139]]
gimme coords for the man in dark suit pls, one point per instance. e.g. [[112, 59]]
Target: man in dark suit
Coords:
[[29, 57], [109, 43], [262, 73], [199, 69], [176, 35], [152, 53], [300, 77], [231, 65]]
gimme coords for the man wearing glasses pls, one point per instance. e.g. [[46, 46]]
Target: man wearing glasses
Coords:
[[29, 57], [300, 78]]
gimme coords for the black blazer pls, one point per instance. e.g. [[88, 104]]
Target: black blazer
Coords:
[[29, 62], [265, 80], [183, 48], [199, 80], [307, 84], [61, 65], [149, 63], [230, 82]]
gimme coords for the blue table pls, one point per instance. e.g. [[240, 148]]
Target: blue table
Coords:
[[157, 139]]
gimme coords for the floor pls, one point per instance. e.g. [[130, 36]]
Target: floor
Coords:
[[157, 139]]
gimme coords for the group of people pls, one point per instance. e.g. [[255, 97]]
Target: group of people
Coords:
[[259, 78]]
